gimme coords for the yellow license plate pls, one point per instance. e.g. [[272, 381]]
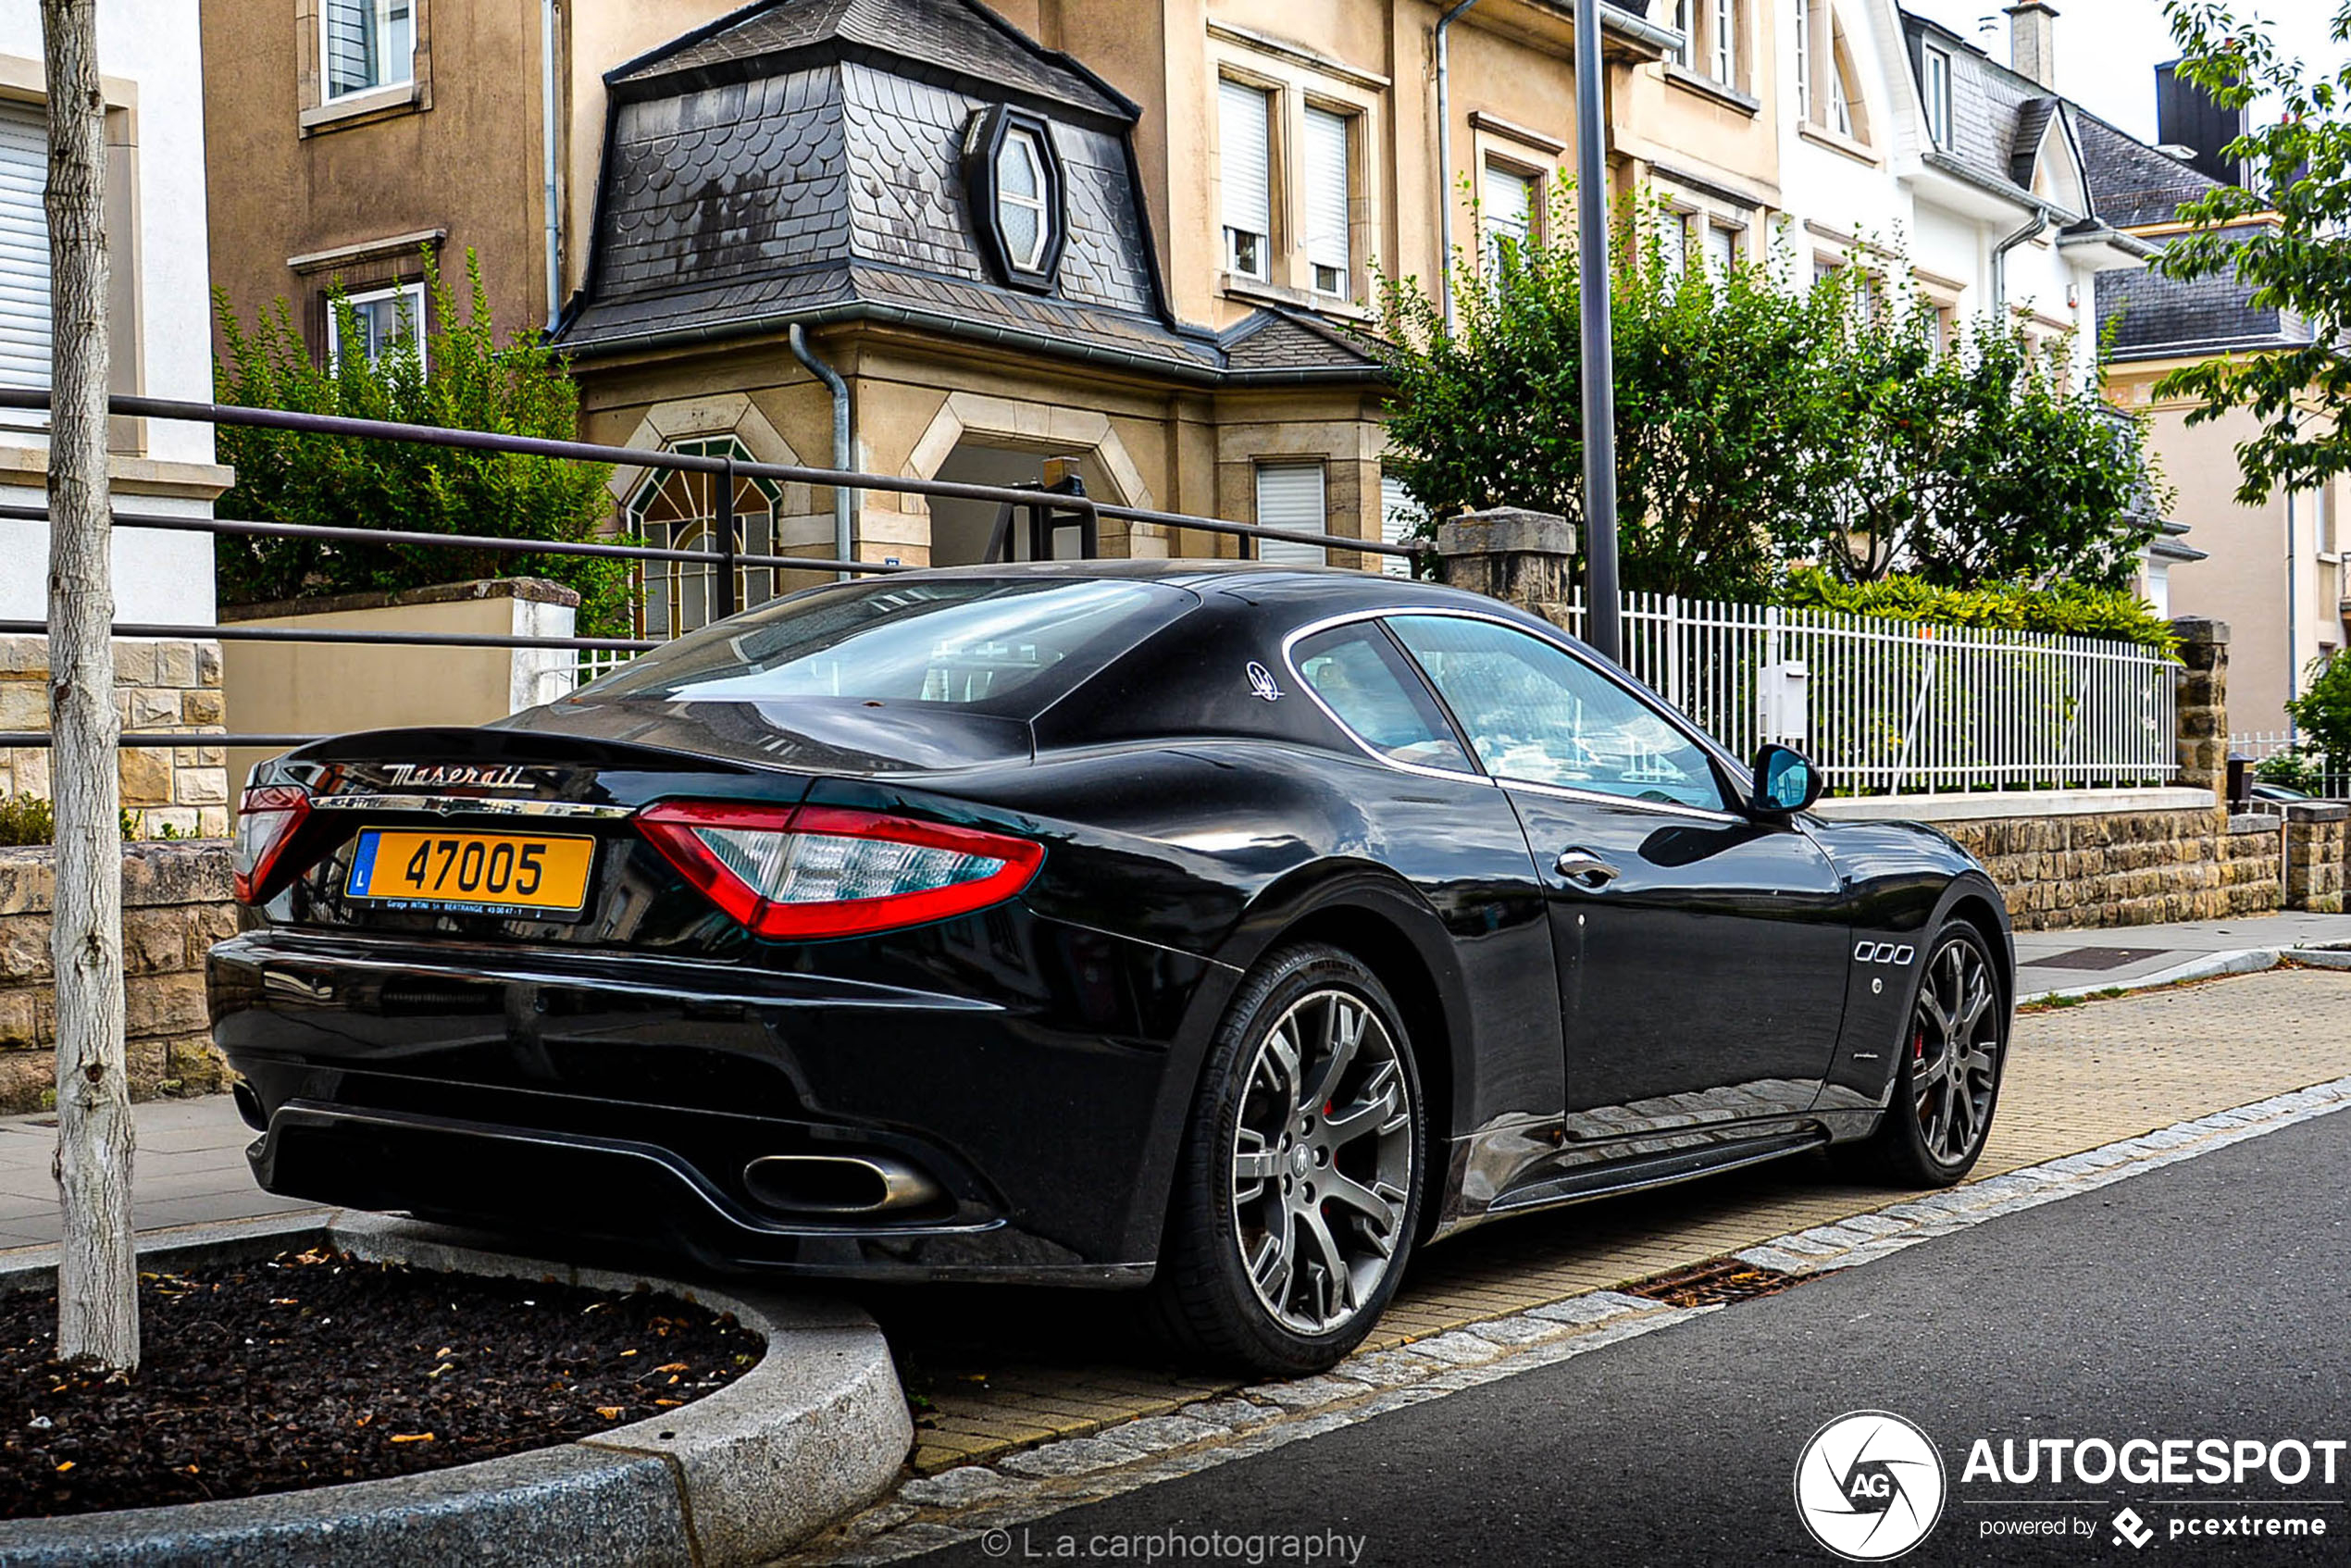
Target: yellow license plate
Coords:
[[488, 873]]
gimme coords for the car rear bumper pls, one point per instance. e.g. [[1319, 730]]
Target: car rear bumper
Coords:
[[615, 1098]]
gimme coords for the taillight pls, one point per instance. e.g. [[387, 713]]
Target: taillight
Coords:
[[267, 819], [824, 871]]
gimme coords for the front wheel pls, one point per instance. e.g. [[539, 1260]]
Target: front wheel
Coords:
[[1947, 1079], [1303, 1169]]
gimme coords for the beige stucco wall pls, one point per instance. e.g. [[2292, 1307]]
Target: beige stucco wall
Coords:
[[309, 688], [2242, 580]]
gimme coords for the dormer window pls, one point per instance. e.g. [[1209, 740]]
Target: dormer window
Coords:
[[1013, 180], [1020, 199], [1934, 86]]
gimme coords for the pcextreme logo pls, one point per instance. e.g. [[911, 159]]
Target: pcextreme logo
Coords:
[[1868, 1486]]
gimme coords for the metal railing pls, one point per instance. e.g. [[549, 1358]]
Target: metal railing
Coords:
[[2259, 746], [1895, 707], [1049, 514]]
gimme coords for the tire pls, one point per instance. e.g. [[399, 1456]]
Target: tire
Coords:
[[1300, 1189], [1949, 1059]]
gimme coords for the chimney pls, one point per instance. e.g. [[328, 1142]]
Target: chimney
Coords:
[[2185, 116], [2032, 40]]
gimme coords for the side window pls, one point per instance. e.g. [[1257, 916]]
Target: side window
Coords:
[[1359, 675], [1537, 714]]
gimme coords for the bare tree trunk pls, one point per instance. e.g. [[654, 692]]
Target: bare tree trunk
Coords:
[[97, 1268]]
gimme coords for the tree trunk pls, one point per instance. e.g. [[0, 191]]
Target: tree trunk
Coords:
[[97, 1268]]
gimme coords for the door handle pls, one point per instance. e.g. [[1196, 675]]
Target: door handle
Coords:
[[1584, 869]]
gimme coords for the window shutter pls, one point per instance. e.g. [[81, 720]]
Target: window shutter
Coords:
[[1289, 496], [1398, 515], [1327, 191], [1508, 200], [1722, 249], [1245, 151], [24, 251]]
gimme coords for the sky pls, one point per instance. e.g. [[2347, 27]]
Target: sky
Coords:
[[2107, 50]]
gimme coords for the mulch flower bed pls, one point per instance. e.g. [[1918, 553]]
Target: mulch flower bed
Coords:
[[316, 1368]]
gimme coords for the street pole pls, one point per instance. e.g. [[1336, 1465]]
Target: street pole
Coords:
[[1603, 625], [97, 1277]]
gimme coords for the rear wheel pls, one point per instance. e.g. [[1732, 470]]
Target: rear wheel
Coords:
[[1948, 1079], [1304, 1165]]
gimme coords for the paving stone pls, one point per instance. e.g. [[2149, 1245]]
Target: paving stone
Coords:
[[953, 1488]]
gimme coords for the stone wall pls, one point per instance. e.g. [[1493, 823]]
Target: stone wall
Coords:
[[2318, 840], [175, 906], [2123, 868], [159, 685]]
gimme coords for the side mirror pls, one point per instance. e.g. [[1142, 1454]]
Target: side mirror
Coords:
[[1784, 782]]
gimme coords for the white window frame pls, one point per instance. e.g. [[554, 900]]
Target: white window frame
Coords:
[[25, 313], [1490, 233], [1329, 233], [1722, 51], [1728, 238], [1934, 85], [1804, 59], [1228, 90], [382, 11], [1686, 23], [1020, 136], [414, 292]]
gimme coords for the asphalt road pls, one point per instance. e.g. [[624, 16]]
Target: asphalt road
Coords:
[[2207, 1300]]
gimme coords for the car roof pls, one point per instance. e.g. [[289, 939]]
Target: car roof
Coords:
[[1261, 583]]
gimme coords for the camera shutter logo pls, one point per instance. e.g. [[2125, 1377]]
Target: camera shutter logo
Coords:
[[1868, 1486]]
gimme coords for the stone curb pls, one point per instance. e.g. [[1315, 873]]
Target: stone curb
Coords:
[[2211, 965], [817, 1430]]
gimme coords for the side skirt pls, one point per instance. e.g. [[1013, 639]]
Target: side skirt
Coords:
[[1641, 1172]]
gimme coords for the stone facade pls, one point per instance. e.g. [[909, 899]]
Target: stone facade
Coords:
[[159, 685], [175, 906], [2203, 702], [2318, 840]]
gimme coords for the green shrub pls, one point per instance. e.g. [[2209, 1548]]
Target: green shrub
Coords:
[[2296, 768], [2324, 712], [26, 819], [2066, 609], [29, 819], [465, 380]]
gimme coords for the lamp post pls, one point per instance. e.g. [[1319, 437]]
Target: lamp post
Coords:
[[1603, 623]]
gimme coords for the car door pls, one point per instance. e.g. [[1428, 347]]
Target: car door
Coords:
[[1702, 951]]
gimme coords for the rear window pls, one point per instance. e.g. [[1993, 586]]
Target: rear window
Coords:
[[1007, 646]]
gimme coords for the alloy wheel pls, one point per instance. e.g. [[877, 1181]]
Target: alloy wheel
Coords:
[[1954, 1051], [1321, 1162]]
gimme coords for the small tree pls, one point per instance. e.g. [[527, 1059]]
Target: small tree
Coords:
[[2324, 712], [2297, 260], [464, 379], [1761, 424]]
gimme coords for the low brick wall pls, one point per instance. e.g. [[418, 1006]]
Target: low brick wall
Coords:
[[175, 906], [2318, 841]]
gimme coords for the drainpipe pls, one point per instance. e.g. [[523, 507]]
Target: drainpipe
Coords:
[[1444, 159], [844, 455], [550, 175], [2031, 231]]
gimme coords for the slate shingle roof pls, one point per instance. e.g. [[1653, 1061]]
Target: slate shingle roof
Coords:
[[951, 38], [1998, 118], [804, 157], [1274, 341], [2133, 183]]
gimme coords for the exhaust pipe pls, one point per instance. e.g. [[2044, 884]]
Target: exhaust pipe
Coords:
[[838, 1184]]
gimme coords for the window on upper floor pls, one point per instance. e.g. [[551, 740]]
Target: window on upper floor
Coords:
[[1020, 199], [1330, 200], [1710, 34], [366, 44], [1722, 43], [1934, 86], [1245, 169], [1827, 88], [24, 251], [1509, 213], [386, 320], [1686, 23], [1722, 249]]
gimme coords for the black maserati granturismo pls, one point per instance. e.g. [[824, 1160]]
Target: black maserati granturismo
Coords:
[[1219, 929]]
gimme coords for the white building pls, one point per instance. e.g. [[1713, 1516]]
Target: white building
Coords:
[[148, 54]]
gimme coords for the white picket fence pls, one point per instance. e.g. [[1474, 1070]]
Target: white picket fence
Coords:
[[1895, 707]]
